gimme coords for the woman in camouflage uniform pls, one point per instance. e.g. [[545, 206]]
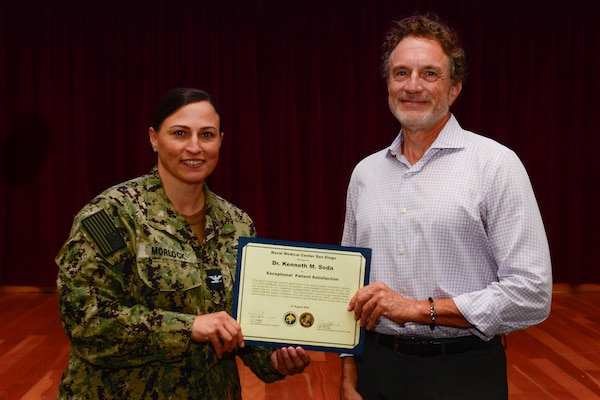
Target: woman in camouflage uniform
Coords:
[[145, 279]]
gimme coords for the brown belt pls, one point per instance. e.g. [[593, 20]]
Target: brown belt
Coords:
[[426, 347]]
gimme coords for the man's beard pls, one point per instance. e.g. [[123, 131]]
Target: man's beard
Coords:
[[422, 120]]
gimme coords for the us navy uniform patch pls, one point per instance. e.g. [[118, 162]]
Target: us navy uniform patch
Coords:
[[104, 232], [215, 279]]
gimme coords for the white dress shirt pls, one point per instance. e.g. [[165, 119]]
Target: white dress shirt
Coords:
[[462, 223]]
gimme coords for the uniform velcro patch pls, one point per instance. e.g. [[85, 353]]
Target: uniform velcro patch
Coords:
[[215, 279], [104, 232]]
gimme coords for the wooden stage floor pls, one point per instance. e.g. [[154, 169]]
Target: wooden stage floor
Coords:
[[558, 359]]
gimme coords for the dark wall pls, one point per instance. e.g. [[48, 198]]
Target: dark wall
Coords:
[[302, 102]]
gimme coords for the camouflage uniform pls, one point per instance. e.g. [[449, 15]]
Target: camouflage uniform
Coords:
[[132, 277]]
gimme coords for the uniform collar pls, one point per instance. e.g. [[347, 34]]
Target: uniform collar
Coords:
[[161, 212]]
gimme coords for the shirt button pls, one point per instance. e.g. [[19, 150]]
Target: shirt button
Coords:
[[403, 210], [402, 250]]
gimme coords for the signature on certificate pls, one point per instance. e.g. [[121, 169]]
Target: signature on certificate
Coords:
[[330, 326], [259, 318]]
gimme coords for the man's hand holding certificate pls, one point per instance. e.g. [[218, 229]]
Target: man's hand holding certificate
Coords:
[[290, 293]]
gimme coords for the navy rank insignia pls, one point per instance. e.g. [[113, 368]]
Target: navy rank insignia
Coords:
[[214, 281]]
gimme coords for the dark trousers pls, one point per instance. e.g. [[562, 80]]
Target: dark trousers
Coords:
[[472, 375]]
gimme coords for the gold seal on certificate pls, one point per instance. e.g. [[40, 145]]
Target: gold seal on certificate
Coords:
[[292, 293]]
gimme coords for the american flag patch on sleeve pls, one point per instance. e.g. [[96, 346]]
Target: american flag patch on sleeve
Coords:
[[103, 231]]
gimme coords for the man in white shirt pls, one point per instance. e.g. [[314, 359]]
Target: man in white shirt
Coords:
[[460, 255]]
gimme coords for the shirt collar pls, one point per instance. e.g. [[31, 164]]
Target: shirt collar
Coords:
[[450, 137]]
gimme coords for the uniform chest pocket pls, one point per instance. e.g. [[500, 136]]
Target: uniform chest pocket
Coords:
[[220, 284], [170, 275]]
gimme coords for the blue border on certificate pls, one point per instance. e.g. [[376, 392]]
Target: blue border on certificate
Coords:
[[366, 254]]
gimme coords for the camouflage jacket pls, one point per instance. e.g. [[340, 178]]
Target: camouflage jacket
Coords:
[[132, 277]]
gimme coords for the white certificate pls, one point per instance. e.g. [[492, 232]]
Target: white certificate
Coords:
[[291, 293]]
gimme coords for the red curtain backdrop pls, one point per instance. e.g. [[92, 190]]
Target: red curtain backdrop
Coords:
[[302, 103]]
